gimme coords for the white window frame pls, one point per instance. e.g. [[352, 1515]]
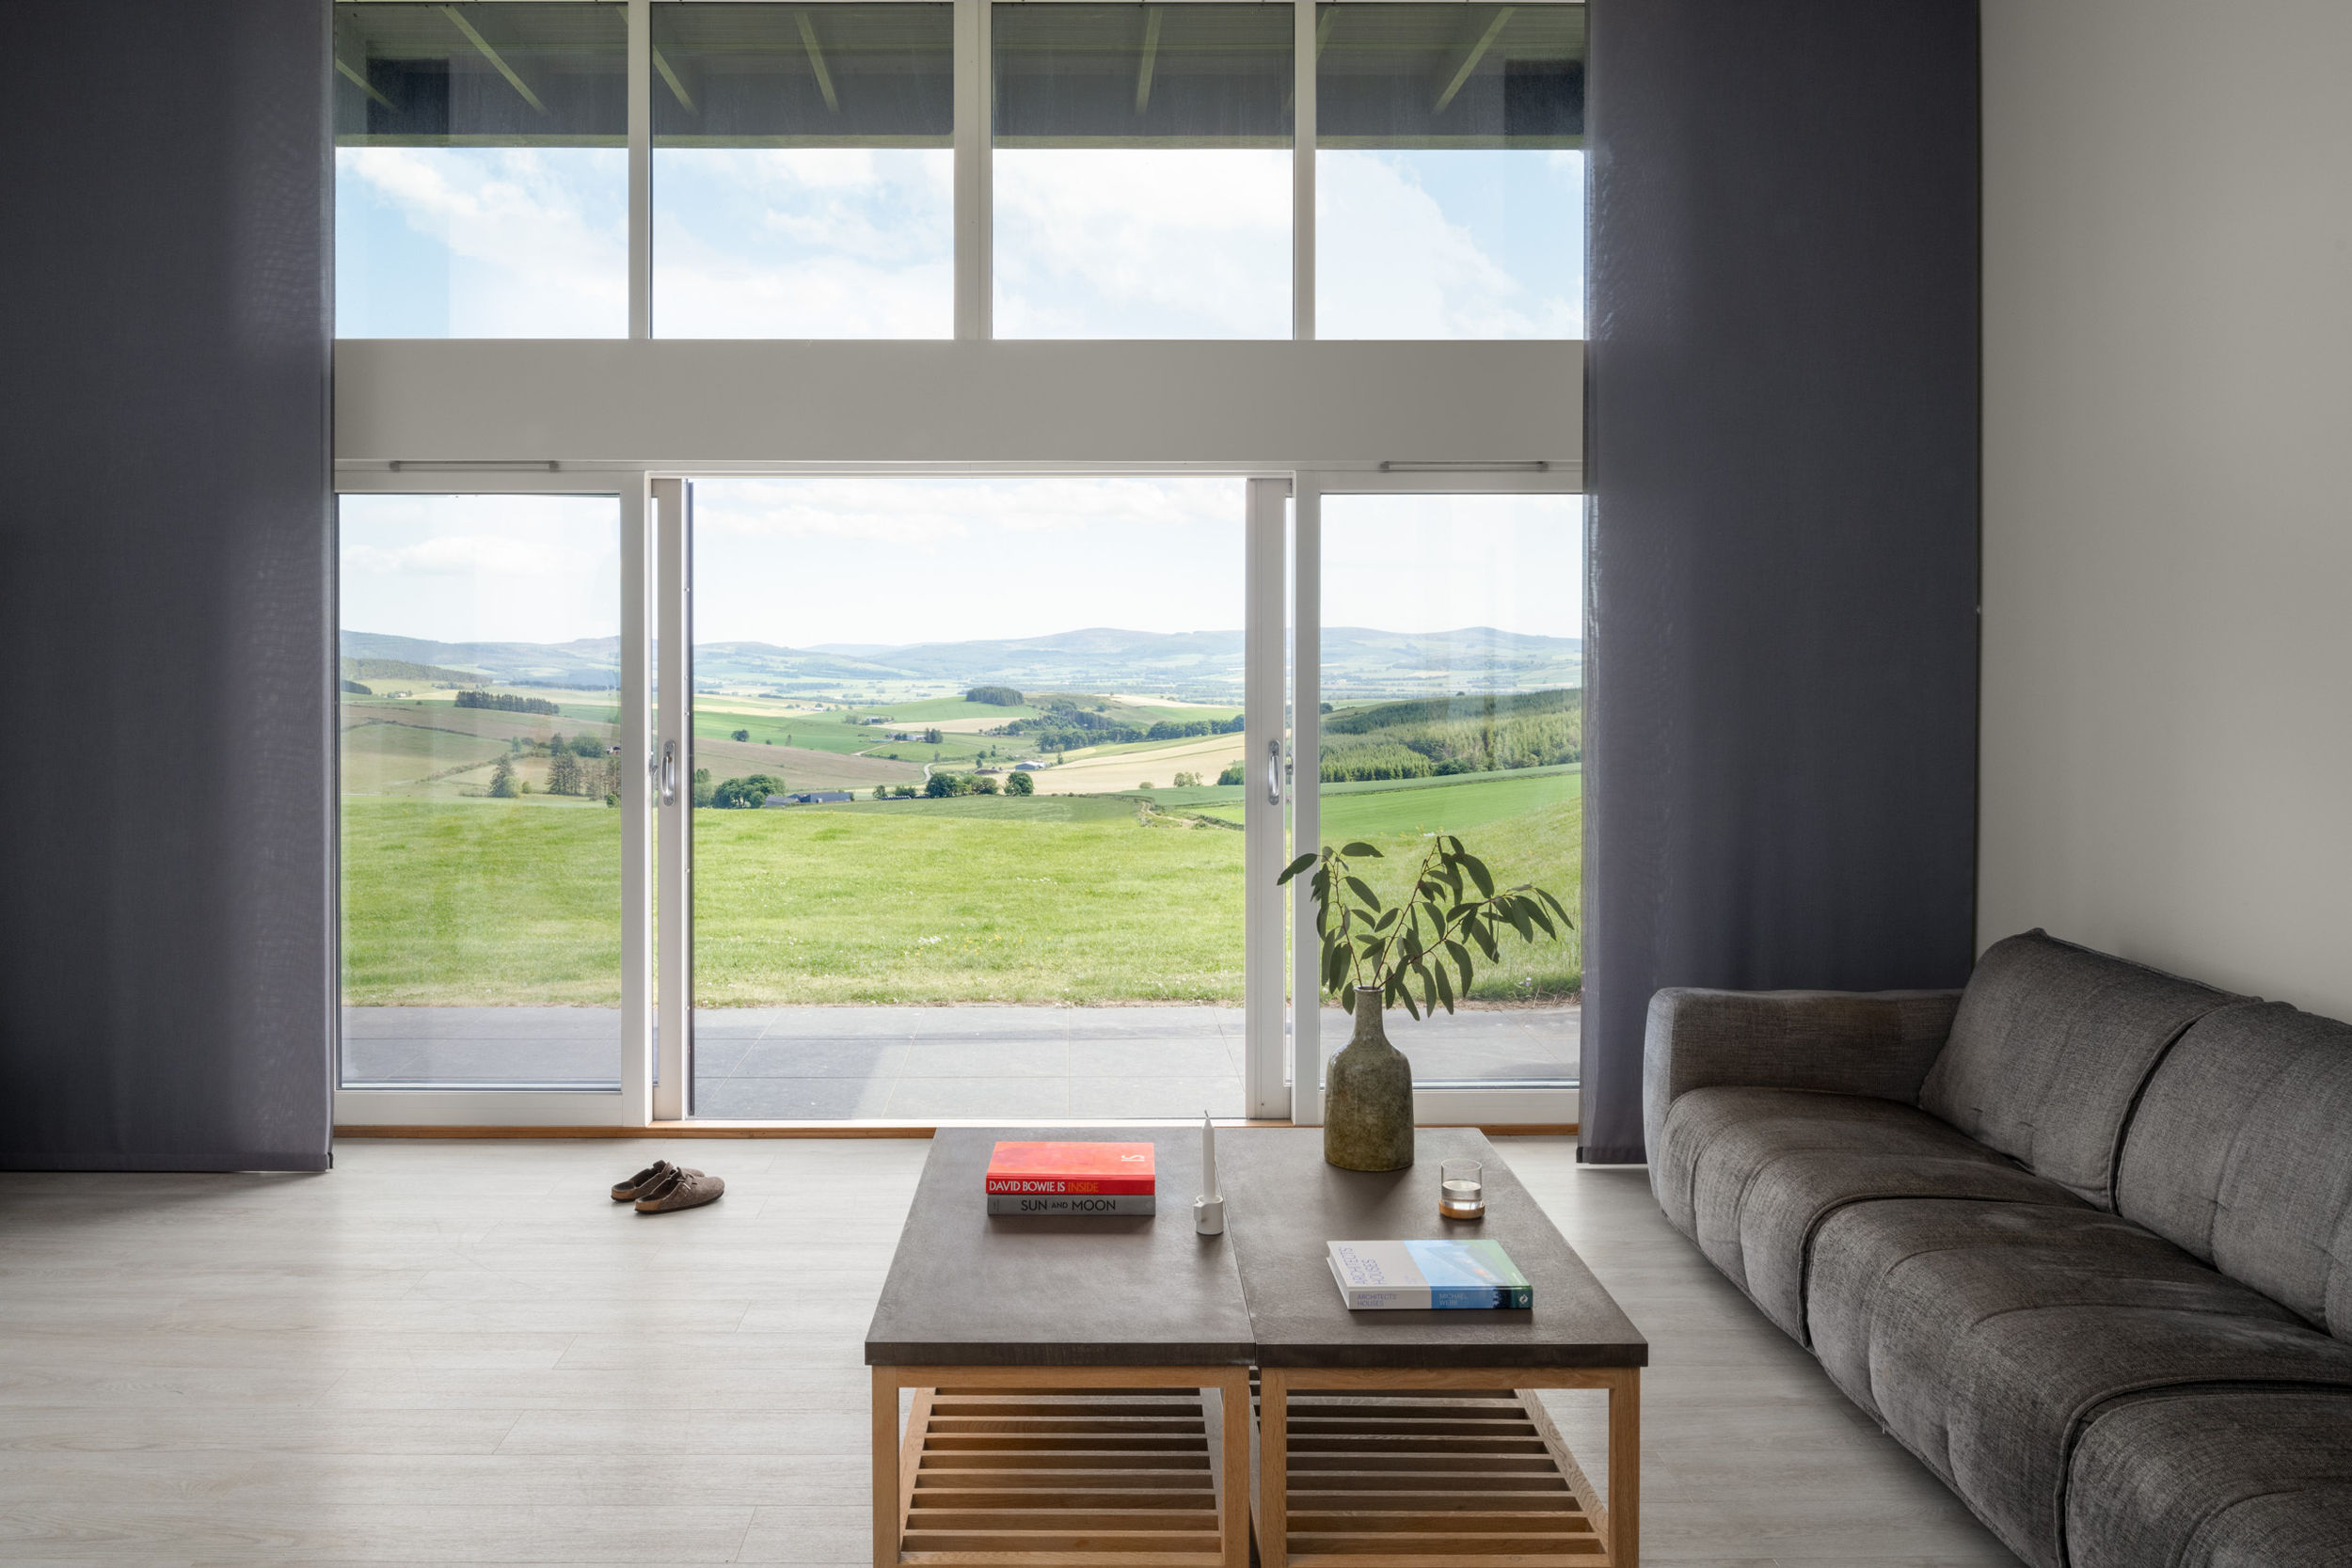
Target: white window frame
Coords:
[[634, 417], [974, 282]]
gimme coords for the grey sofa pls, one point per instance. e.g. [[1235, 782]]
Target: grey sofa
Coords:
[[2078, 1236]]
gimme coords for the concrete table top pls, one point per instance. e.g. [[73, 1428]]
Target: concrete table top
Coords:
[[969, 1289], [1284, 1204]]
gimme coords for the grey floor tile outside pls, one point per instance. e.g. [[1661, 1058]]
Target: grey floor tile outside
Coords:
[[926, 1063]]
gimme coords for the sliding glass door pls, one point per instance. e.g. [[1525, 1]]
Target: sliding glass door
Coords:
[[966, 795], [1439, 679], [960, 796], [481, 772]]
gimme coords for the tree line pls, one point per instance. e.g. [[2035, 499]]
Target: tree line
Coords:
[[1444, 736], [1066, 727], [507, 702], [579, 766]]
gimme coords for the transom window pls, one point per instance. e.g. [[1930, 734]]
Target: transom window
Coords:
[[936, 169]]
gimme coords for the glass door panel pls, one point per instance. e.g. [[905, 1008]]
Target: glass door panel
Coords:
[[966, 771], [479, 668], [1452, 703]]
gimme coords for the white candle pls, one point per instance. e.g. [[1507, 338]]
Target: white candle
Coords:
[[1208, 1157]]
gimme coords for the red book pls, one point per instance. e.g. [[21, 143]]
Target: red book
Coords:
[[1102, 1169]]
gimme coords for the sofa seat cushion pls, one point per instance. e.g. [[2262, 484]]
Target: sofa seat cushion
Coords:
[[1987, 1335], [2215, 1479], [1749, 1173]]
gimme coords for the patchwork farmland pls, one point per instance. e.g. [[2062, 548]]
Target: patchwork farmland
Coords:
[[482, 861]]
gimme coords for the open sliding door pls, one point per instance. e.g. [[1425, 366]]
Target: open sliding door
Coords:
[[972, 797]]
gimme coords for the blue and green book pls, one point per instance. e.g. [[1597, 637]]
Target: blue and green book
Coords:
[[1376, 1275]]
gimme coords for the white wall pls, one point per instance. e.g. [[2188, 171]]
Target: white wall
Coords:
[[2167, 458]]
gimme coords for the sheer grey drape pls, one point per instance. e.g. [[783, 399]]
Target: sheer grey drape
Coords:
[[166, 980], [1782, 438]]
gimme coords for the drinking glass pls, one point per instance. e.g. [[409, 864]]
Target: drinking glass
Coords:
[[1461, 1190]]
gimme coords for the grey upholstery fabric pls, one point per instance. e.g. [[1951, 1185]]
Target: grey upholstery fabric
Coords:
[[2215, 1479], [2048, 1051], [1750, 1172], [2241, 1152], [1986, 1336], [1878, 1043]]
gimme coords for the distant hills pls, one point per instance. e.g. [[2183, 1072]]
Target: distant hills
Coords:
[[1358, 661]]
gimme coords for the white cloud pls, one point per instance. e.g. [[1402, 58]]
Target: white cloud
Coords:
[[1394, 260], [1142, 243], [924, 513], [804, 242], [908, 559], [535, 238], [473, 568]]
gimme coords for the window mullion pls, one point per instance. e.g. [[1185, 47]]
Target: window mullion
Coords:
[[1303, 174], [641, 168], [974, 193]]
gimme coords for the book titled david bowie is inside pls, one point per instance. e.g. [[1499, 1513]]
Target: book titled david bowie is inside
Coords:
[[1071, 1178], [1373, 1276]]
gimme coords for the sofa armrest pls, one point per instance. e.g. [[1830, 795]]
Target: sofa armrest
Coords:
[[1874, 1043]]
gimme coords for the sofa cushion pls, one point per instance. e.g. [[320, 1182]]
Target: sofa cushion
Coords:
[[2215, 1479], [1986, 1336], [2050, 1046], [2241, 1152], [1748, 1174]]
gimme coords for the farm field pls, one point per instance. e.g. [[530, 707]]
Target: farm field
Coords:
[[1054, 900], [1123, 767]]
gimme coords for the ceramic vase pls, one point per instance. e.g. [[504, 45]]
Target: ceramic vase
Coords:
[[1368, 1096]]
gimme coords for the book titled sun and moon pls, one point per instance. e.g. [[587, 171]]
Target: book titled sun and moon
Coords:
[[1071, 1178]]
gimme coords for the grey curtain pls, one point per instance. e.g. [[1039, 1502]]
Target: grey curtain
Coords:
[[167, 979], [1782, 438]]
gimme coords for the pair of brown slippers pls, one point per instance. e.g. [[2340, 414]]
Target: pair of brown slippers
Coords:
[[663, 1186]]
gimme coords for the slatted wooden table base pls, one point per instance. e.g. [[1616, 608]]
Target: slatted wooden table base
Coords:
[[1430, 1476], [1041, 1471]]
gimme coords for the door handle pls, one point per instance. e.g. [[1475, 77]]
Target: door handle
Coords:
[[669, 772], [1273, 773]]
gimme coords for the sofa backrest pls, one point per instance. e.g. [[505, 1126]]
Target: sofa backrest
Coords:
[[2050, 1048], [2241, 1153]]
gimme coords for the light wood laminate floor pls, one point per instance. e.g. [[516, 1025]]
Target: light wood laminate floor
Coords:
[[462, 1352]]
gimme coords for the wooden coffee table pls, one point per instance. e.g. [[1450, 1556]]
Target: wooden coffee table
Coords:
[[1412, 1439], [1082, 1389]]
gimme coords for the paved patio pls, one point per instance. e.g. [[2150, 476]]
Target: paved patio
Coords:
[[920, 1063]]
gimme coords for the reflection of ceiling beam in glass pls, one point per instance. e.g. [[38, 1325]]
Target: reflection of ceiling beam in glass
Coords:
[[492, 55], [678, 88], [1150, 52], [360, 82], [1469, 60], [817, 60]]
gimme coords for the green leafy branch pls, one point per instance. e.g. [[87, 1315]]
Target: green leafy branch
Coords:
[[1424, 942]]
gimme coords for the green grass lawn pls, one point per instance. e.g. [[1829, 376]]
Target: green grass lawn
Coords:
[[1063, 898], [456, 903]]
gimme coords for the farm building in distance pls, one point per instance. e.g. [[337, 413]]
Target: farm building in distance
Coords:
[[813, 798]]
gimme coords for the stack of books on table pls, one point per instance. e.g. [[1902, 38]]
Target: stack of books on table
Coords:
[[1071, 1178], [1403, 1276]]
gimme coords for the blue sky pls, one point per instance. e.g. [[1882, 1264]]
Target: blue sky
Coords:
[[853, 242], [800, 560]]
